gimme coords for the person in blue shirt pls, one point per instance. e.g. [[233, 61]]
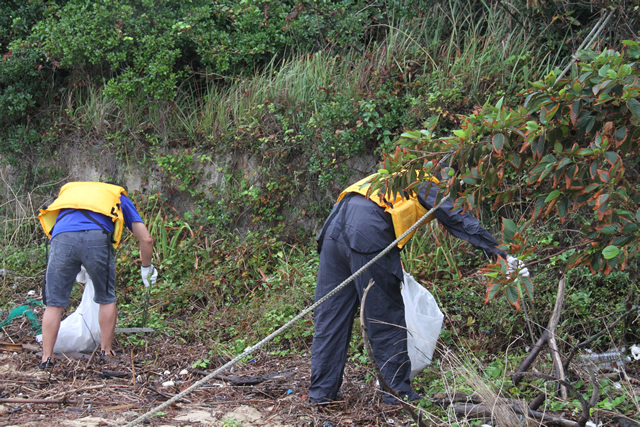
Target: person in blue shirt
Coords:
[[85, 225]]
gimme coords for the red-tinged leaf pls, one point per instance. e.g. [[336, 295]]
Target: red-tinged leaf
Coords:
[[590, 188], [594, 169], [601, 201], [498, 143], [492, 290], [604, 176], [513, 295], [634, 107], [515, 160], [548, 115], [563, 208], [610, 228], [575, 110], [612, 157], [528, 286], [620, 136]]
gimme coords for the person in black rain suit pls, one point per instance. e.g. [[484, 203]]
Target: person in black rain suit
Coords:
[[358, 229]]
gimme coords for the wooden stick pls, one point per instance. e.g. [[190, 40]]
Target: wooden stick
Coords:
[[531, 357], [553, 345], [36, 401]]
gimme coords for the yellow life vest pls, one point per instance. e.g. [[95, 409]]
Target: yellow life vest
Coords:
[[98, 197], [405, 211]]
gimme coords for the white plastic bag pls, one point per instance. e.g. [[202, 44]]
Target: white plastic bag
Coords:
[[80, 331], [424, 322]]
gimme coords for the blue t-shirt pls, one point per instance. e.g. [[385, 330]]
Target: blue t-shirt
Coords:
[[77, 221]]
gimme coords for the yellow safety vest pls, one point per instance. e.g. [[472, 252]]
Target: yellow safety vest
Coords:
[[405, 211], [98, 197]]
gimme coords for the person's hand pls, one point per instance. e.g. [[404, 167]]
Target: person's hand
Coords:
[[149, 275], [517, 266]]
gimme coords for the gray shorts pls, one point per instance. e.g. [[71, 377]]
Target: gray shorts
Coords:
[[70, 250]]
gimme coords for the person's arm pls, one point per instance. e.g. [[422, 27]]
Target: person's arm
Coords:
[[145, 240], [461, 225]]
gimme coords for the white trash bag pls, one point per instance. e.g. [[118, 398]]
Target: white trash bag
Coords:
[[424, 322], [80, 331]]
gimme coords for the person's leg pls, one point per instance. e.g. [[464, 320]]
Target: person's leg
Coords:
[[333, 321], [99, 261], [62, 268], [384, 317], [107, 320], [50, 326]]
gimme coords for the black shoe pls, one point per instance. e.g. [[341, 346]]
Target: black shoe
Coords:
[[325, 401], [392, 400], [47, 365]]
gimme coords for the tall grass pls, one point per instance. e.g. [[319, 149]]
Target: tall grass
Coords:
[[476, 52]]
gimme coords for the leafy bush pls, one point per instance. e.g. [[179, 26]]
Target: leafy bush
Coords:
[[572, 145], [23, 82]]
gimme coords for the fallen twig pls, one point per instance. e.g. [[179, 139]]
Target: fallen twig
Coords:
[[36, 401]]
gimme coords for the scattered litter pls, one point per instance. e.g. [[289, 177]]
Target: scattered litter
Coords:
[[184, 372], [635, 352], [613, 358], [169, 383], [26, 311]]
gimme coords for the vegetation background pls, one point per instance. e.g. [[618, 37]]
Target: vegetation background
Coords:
[[235, 124]]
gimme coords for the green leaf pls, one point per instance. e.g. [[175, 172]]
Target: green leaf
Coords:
[[634, 107], [469, 180], [563, 207], [492, 291], [553, 195], [509, 227], [611, 157], [610, 252], [528, 285], [513, 294], [610, 228], [498, 142]]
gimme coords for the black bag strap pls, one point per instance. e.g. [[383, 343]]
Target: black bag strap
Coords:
[[99, 225]]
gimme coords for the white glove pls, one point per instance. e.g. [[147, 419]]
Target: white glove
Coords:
[[515, 265], [149, 275]]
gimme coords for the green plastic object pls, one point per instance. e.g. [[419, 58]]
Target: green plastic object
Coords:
[[25, 310]]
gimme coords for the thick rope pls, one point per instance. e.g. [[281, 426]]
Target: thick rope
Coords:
[[591, 37], [286, 326]]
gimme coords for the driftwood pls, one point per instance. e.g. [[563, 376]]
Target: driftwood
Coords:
[[416, 416]]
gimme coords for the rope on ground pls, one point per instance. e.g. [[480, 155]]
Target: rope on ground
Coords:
[[286, 326]]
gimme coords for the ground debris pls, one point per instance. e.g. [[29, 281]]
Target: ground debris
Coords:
[[267, 390]]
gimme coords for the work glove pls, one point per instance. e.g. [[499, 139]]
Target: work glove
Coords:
[[149, 275], [515, 265]]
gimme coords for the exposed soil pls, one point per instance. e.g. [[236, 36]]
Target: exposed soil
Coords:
[[269, 390]]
